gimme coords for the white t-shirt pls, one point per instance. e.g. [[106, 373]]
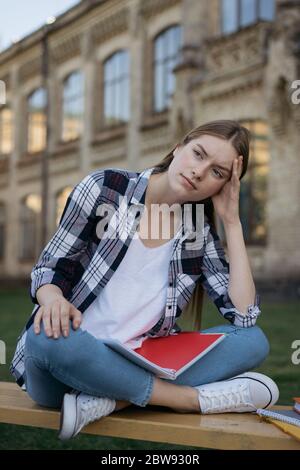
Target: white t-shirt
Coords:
[[134, 298]]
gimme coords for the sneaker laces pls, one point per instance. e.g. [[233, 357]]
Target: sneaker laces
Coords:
[[94, 408], [227, 398]]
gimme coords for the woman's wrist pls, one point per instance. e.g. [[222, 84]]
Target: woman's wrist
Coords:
[[229, 224], [47, 293]]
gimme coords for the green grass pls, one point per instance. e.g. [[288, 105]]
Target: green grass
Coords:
[[279, 321]]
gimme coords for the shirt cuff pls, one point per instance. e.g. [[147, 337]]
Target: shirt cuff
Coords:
[[47, 276], [231, 313]]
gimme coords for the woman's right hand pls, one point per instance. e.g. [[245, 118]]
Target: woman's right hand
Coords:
[[56, 316]]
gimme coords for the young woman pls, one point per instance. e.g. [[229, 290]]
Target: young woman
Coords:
[[94, 281]]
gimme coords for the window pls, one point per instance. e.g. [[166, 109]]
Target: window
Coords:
[[248, 12], [36, 105], [166, 56], [2, 231], [229, 16], [29, 225], [6, 131], [61, 200], [254, 185], [116, 88], [72, 106], [266, 10], [238, 14]]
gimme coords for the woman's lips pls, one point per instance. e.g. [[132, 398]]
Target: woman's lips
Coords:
[[188, 183]]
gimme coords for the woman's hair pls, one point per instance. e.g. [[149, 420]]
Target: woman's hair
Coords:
[[226, 129]]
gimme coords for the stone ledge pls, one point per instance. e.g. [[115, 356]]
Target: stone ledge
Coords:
[[63, 148], [113, 132], [154, 120]]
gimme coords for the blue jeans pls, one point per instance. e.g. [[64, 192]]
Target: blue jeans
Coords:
[[82, 362]]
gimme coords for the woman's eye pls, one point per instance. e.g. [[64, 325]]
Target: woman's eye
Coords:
[[197, 153], [218, 174]]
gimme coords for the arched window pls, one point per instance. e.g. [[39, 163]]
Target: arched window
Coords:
[[72, 106], [2, 230], [30, 211], [254, 187], [237, 14], [166, 55], [36, 104], [61, 200], [6, 130], [116, 88]]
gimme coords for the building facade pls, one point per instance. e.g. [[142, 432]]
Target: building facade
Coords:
[[116, 83]]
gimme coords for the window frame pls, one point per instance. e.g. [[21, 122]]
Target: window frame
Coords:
[[35, 220], [28, 97], [61, 132], [121, 81], [166, 59], [239, 25], [11, 123]]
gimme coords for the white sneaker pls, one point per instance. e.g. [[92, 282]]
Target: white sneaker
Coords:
[[240, 394], [79, 409]]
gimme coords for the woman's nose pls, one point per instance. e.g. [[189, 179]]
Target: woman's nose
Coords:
[[199, 172]]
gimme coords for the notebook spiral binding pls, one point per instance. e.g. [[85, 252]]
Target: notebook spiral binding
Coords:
[[278, 416]]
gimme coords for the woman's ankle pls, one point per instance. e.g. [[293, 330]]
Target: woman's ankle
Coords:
[[192, 402], [120, 404]]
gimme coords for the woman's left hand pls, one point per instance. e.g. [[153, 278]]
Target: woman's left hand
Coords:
[[226, 201]]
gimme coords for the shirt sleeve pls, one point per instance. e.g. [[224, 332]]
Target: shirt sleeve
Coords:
[[215, 280], [59, 259]]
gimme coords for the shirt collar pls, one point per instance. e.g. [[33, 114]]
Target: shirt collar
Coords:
[[140, 186]]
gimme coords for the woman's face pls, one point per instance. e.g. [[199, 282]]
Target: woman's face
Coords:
[[207, 162]]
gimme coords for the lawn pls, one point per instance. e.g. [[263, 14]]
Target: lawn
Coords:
[[280, 322]]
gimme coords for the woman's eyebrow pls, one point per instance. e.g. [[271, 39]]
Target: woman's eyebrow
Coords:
[[220, 166]]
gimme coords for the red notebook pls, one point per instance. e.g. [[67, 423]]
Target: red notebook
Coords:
[[169, 356]]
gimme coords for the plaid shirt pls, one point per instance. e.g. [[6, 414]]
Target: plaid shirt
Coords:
[[80, 262]]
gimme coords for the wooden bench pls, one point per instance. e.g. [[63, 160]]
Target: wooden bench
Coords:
[[219, 431]]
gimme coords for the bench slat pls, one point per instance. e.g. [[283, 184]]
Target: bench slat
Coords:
[[158, 424]]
